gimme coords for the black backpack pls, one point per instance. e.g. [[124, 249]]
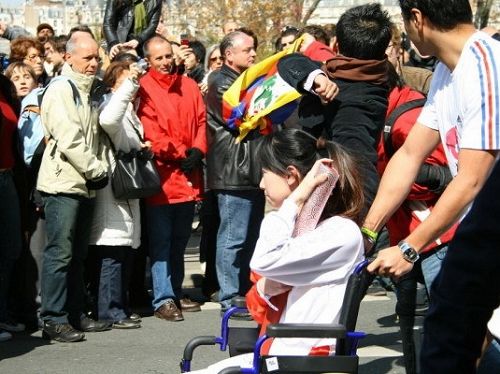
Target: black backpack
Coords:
[[392, 118]]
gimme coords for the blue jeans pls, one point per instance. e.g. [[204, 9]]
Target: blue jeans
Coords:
[[241, 213], [10, 236], [68, 220], [114, 275], [169, 229]]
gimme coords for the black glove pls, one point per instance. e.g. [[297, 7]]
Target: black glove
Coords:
[[434, 177], [192, 160], [97, 184]]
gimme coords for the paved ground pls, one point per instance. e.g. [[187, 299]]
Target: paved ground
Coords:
[[157, 347]]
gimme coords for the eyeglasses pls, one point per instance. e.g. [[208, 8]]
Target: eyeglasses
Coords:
[[32, 58], [213, 59]]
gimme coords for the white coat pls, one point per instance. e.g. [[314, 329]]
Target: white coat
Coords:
[[118, 222]]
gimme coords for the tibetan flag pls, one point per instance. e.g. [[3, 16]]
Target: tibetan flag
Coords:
[[260, 98]]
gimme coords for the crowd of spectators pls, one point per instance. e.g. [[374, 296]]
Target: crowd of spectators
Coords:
[[74, 255]]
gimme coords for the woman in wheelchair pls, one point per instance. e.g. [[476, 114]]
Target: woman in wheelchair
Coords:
[[301, 273]]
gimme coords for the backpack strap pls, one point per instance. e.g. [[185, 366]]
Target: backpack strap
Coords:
[[392, 118]]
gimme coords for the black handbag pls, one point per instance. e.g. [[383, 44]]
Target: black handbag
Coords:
[[135, 175]]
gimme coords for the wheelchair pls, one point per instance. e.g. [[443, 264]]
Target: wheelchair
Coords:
[[345, 359]]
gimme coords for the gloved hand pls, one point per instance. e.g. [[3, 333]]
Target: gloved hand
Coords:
[[192, 160], [98, 183]]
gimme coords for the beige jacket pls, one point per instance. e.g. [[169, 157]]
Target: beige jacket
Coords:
[[70, 157]]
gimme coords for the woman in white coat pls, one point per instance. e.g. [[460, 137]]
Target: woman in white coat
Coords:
[[116, 225]]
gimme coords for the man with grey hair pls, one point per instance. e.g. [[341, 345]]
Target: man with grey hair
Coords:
[[233, 173], [69, 173]]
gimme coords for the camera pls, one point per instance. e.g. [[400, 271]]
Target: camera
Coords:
[[142, 66], [184, 39], [4, 62]]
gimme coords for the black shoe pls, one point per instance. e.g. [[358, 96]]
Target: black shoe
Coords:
[[61, 332], [89, 325], [126, 323]]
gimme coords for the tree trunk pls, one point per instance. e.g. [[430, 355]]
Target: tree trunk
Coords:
[[482, 13], [310, 11]]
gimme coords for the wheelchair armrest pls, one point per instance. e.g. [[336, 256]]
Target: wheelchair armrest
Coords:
[[239, 301], [231, 370], [196, 342], [302, 330]]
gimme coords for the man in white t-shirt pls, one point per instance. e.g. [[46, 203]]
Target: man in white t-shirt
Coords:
[[463, 113]]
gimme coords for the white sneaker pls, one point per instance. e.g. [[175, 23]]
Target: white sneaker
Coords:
[[12, 326], [5, 335]]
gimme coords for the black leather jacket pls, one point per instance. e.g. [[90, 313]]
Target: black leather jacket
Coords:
[[230, 166], [118, 24]]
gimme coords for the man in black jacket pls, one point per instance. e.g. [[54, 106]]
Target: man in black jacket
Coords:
[[356, 116], [232, 171], [233, 174]]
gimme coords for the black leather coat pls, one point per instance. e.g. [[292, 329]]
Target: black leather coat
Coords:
[[118, 24], [230, 166]]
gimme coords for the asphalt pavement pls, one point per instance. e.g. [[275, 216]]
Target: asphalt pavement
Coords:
[[157, 347]]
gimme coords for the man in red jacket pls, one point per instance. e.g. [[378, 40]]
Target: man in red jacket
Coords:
[[172, 112]]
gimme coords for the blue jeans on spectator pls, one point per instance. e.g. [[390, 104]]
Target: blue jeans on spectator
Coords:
[[68, 221], [10, 236], [241, 213], [169, 229], [114, 275]]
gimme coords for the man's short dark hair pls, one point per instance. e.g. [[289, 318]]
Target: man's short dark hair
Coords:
[[250, 33], [317, 31], [444, 15], [364, 32]]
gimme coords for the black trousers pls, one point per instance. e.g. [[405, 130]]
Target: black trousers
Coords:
[[467, 289]]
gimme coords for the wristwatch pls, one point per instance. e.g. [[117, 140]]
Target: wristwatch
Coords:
[[409, 253]]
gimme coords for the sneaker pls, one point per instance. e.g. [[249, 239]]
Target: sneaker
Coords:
[[12, 326], [5, 335]]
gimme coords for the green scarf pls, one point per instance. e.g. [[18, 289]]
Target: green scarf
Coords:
[[139, 17]]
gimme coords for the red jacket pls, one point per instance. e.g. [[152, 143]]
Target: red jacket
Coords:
[[420, 201], [172, 112]]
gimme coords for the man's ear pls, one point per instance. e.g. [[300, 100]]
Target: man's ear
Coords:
[[417, 18]]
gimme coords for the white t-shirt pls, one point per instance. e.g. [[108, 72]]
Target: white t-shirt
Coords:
[[464, 104]]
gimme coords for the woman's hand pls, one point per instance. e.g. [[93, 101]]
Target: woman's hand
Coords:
[[271, 288], [310, 182], [146, 145], [203, 86], [134, 72]]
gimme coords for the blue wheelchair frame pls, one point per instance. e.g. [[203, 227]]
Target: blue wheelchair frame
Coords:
[[347, 339]]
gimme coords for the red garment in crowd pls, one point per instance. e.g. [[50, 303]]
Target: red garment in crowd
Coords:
[[318, 51], [8, 127], [420, 201], [172, 112]]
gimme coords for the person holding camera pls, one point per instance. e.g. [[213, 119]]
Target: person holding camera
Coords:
[[70, 172]]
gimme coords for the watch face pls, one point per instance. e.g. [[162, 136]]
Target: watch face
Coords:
[[411, 254]]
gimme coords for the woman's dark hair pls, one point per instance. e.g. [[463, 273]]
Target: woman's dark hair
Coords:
[[114, 70], [293, 147]]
